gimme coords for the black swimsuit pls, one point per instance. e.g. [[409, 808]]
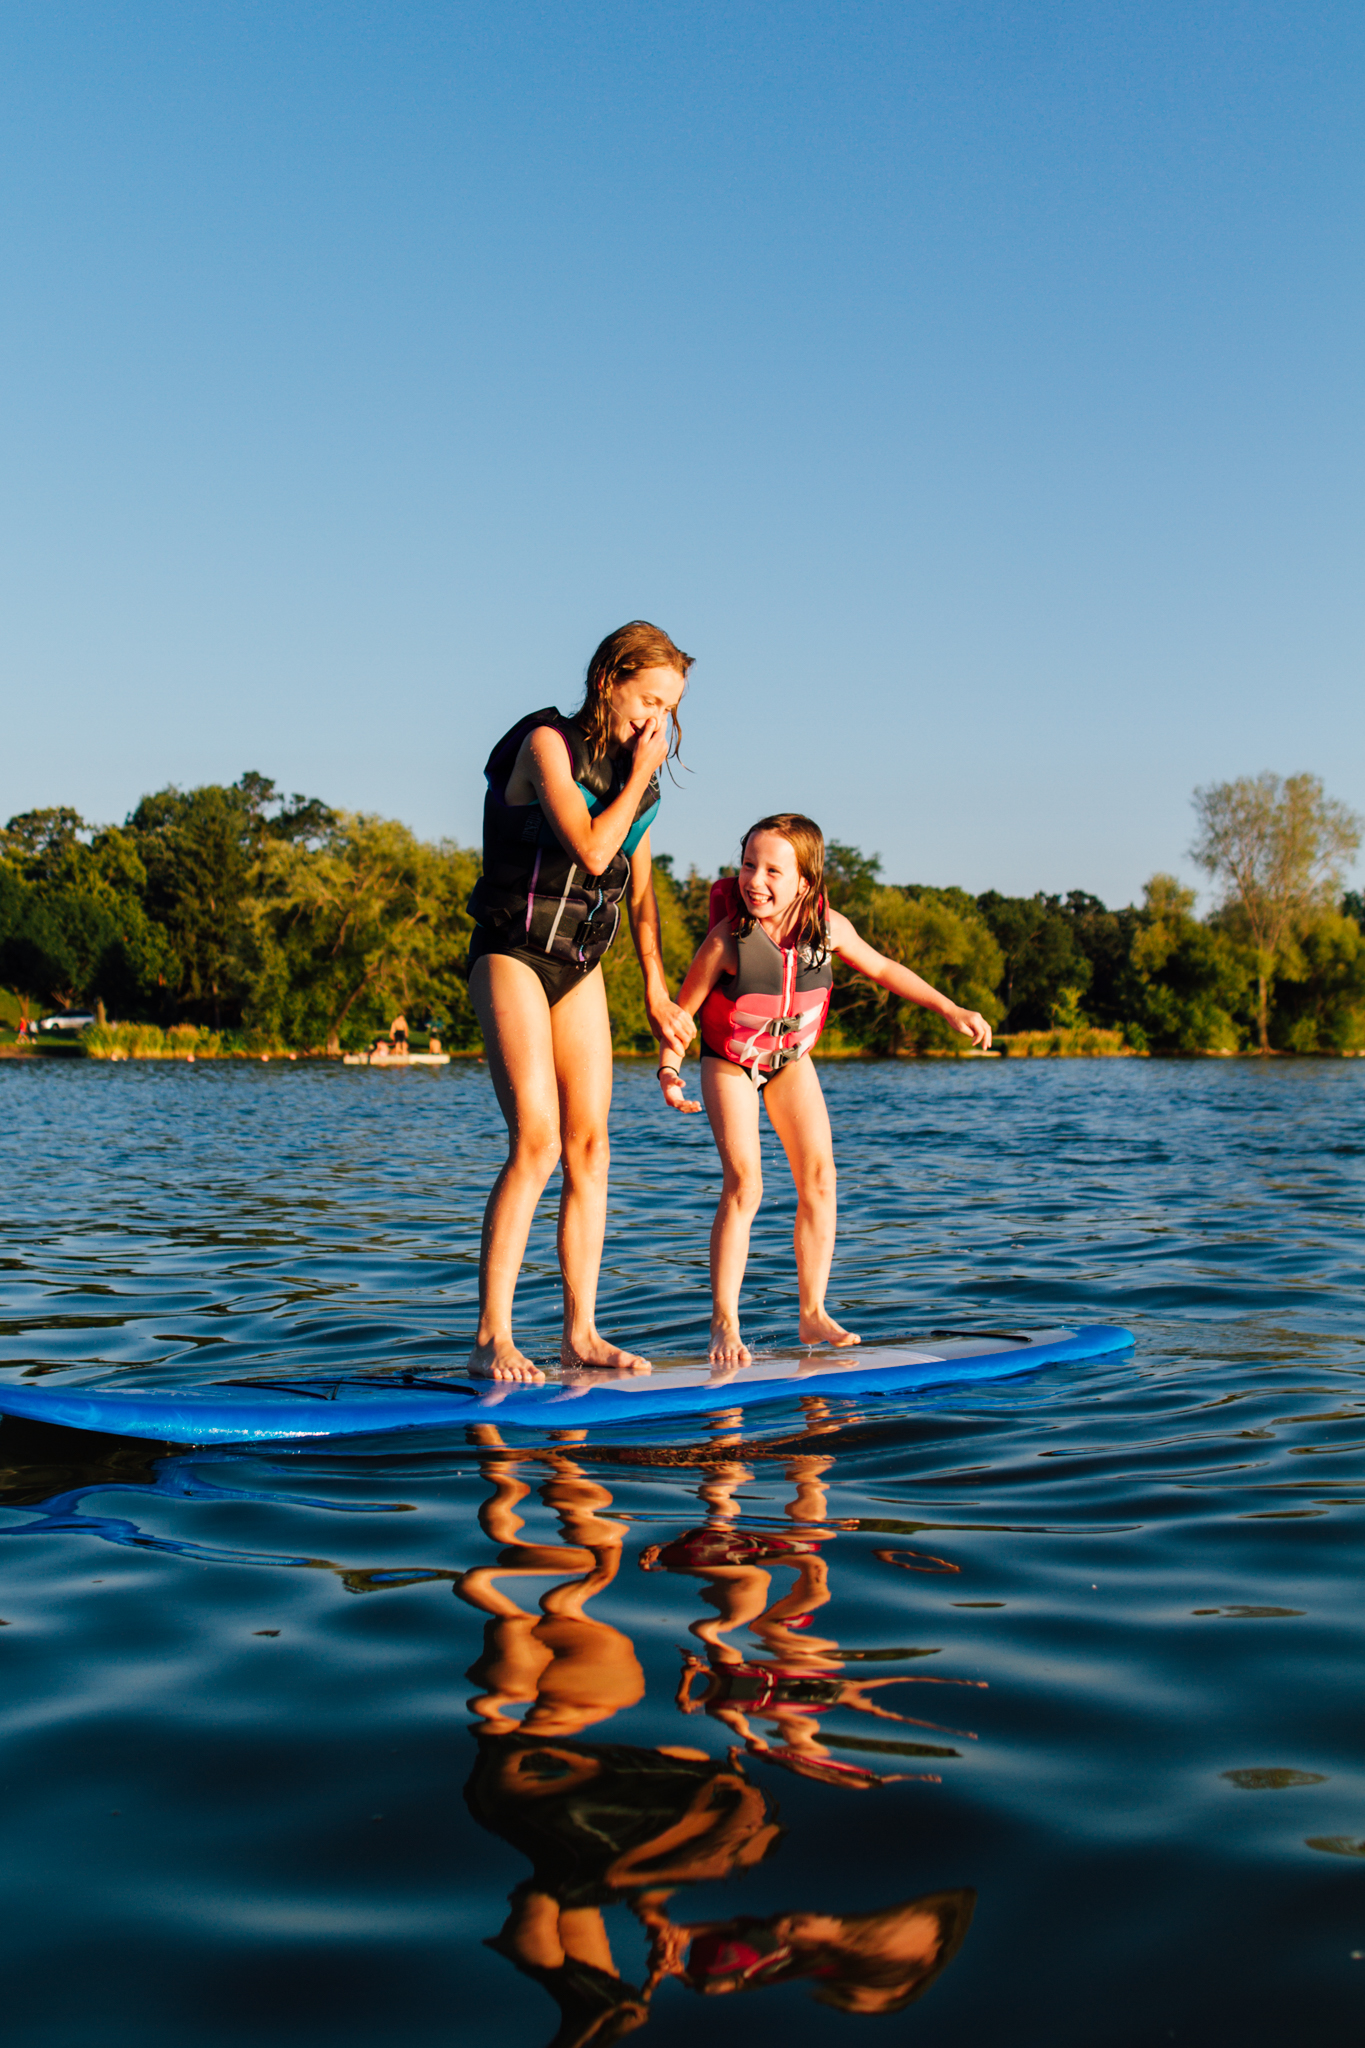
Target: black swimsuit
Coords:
[[557, 977], [533, 902]]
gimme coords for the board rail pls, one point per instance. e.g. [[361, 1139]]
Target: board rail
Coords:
[[284, 1407]]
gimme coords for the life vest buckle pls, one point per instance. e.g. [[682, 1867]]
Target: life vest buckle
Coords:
[[781, 1024]]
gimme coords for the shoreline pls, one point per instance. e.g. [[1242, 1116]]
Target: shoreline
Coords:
[[852, 1056]]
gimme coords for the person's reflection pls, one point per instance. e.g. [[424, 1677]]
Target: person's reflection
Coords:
[[568, 1668], [859, 1962], [599, 1823], [802, 1675], [606, 1825]]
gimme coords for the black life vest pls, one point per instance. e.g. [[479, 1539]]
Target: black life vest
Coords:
[[531, 888], [774, 1009]]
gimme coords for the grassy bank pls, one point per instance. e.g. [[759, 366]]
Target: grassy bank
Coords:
[[1078, 1041], [180, 1042]]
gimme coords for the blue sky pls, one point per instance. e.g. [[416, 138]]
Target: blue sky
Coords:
[[974, 389]]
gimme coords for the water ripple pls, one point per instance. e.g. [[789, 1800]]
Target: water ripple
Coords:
[[1033, 1705]]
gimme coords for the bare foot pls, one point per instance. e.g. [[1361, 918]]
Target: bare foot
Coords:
[[499, 1359], [598, 1355], [727, 1346], [820, 1328]]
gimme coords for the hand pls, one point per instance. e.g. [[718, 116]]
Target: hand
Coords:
[[974, 1026], [667, 1950], [652, 743], [672, 1026], [675, 1092]]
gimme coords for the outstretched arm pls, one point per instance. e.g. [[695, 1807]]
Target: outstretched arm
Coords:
[[699, 981], [889, 974]]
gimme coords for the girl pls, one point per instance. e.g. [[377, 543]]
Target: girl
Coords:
[[566, 841], [761, 981]]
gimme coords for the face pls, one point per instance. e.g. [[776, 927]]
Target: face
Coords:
[[649, 693], [769, 880]]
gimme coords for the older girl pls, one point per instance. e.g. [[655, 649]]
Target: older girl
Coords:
[[565, 843], [762, 980]]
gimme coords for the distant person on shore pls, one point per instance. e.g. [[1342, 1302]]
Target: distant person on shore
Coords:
[[398, 1037], [566, 830], [761, 981]]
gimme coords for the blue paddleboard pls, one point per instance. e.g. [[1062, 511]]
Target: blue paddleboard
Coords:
[[247, 1410]]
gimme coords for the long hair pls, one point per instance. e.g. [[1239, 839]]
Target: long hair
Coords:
[[631, 647], [807, 842]]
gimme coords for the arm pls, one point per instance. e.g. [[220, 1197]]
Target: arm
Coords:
[[889, 974], [671, 1026], [594, 842], [701, 978]]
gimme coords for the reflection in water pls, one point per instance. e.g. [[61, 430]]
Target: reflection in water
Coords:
[[803, 1673], [608, 1825]]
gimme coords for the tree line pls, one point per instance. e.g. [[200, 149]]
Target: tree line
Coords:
[[276, 919]]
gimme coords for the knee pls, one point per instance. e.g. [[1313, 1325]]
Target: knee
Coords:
[[535, 1147], [819, 1183], [587, 1156], [744, 1189]]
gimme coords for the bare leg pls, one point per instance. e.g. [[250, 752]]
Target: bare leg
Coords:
[[581, 1035], [796, 1104], [732, 1104], [515, 1017]]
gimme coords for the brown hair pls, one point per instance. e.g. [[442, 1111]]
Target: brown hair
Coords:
[[630, 648], [864, 1972], [807, 842]]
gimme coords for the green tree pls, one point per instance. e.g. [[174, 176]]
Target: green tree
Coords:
[[1320, 987], [1278, 848], [1105, 940], [693, 897], [851, 878], [939, 933], [344, 933], [630, 1030], [200, 849], [73, 927], [1187, 979], [1045, 968]]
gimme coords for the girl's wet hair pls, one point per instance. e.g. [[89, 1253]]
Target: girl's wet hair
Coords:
[[630, 648], [807, 842]]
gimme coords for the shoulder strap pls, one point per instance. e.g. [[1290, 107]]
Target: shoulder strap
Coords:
[[598, 776], [499, 765]]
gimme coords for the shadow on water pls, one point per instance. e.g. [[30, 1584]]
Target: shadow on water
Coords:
[[1029, 1714]]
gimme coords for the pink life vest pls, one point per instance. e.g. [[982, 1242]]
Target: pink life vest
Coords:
[[774, 1009]]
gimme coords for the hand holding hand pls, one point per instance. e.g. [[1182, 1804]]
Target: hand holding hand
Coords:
[[974, 1026], [673, 1027]]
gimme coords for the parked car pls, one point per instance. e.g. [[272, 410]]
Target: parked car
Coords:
[[67, 1020]]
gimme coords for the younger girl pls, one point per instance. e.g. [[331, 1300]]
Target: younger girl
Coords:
[[761, 981]]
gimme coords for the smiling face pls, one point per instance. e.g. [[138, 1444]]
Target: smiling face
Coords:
[[648, 693], [770, 881]]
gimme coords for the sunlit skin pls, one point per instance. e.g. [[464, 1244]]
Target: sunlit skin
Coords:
[[740, 1593], [569, 1669], [904, 1935], [551, 1067], [775, 893], [570, 1672]]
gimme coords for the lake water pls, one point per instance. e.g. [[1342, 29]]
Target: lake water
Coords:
[[1029, 1715]]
